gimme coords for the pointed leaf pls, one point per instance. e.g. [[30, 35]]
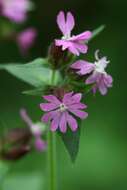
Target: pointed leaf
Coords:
[[35, 91], [71, 141], [34, 73]]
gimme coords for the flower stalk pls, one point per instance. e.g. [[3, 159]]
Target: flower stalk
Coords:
[[51, 138]]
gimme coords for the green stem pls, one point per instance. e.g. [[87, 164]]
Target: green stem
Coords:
[[52, 183], [53, 77]]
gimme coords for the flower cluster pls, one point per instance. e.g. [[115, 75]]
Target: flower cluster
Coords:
[[15, 10], [63, 111]]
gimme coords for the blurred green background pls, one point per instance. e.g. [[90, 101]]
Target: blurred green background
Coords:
[[102, 159]]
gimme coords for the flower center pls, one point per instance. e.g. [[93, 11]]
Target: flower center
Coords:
[[63, 107], [100, 67], [100, 63], [66, 37]]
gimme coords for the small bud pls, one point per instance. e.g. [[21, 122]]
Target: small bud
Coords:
[[60, 92], [15, 144], [18, 135], [56, 55], [15, 153]]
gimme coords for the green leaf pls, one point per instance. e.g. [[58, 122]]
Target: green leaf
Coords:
[[35, 91], [71, 142], [34, 73], [97, 31]]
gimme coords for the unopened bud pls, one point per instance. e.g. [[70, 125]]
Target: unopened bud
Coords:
[[60, 92], [56, 55], [15, 153], [15, 144]]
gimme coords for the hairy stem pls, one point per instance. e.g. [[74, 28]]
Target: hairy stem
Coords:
[[52, 178]]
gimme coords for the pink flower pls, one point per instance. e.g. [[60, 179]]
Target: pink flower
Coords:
[[26, 39], [15, 10], [60, 112], [36, 130], [75, 44], [98, 76]]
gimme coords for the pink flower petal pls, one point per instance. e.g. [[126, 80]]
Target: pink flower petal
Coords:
[[82, 48], [73, 49], [92, 78], [84, 67], [64, 43], [67, 96], [26, 39], [52, 99], [48, 116], [82, 37], [78, 106], [76, 98], [70, 23], [78, 113], [61, 22], [73, 99], [102, 87], [72, 122], [48, 106], [40, 144], [55, 122], [108, 80], [63, 123]]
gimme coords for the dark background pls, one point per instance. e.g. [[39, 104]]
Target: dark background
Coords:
[[102, 159]]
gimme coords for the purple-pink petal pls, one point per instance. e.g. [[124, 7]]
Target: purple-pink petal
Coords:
[[67, 97], [76, 98], [70, 23], [55, 122], [48, 106], [63, 123], [102, 87], [52, 99], [78, 113], [48, 116], [75, 47], [26, 39], [72, 122], [78, 106], [72, 48], [92, 78], [82, 37], [82, 48], [61, 22], [108, 80], [73, 99], [83, 67], [40, 144], [65, 24]]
